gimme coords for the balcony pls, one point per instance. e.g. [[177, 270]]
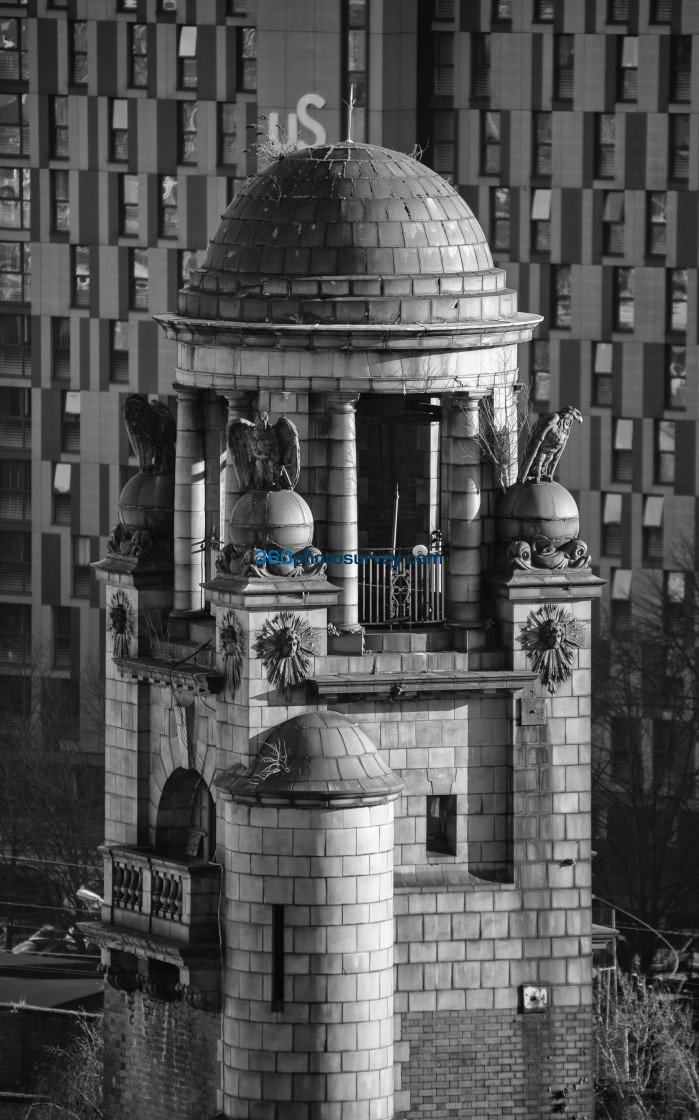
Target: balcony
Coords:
[[399, 588], [151, 894]]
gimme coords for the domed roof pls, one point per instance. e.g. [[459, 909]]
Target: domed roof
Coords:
[[316, 757], [348, 233]]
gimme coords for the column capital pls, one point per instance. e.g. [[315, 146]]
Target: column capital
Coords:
[[467, 401], [186, 392], [240, 400], [340, 402]]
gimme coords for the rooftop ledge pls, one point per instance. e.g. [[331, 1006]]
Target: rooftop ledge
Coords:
[[427, 684]]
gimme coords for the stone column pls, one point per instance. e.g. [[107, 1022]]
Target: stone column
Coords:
[[240, 407], [214, 434], [190, 515], [461, 503], [342, 505]]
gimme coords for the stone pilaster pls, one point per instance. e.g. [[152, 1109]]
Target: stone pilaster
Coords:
[[190, 498], [342, 533], [461, 501]]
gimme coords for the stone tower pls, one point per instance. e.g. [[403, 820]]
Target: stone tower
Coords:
[[347, 857]]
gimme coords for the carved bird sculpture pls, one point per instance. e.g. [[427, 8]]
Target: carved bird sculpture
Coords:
[[546, 443], [265, 456], [152, 431]]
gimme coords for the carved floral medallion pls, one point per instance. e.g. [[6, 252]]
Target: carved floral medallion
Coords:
[[550, 637]]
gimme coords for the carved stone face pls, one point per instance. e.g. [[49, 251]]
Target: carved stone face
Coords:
[[117, 618], [288, 642], [552, 634]]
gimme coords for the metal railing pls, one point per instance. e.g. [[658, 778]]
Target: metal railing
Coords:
[[398, 588]]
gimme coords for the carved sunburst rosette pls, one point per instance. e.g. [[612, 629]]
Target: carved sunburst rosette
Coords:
[[120, 623], [285, 646], [550, 637], [232, 646]]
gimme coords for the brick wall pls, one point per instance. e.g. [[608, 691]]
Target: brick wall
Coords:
[[160, 1059], [497, 1063]]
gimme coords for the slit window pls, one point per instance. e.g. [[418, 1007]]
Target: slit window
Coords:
[[605, 145], [679, 146], [562, 296], [677, 303], [541, 221], [15, 418], [613, 219], [81, 276], [565, 67], [70, 427], [624, 299], [543, 146], [657, 223], [490, 143], [138, 54], [623, 450], [676, 376], [277, 958], [119, 139], [602, 378], [653, 527], [61, 496], [500, 202], [60, 133], [628, 69], [15, 272], [168, 206], [680, 68], [119, 352], [60, 201], [611, 525], [665, 452], [187, 58], [247, 59], [78, 56]]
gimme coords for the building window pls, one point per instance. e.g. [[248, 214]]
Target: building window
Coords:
[[127, 5], [60, 201], [189, 259], [15, 633], [502, 11], [128, 205], [78, 55], [661, 11], [15, 197], [119, 352], [624, 302], [15, 563], [62, 638], [81, 276], [621, 603], [119, 136], [665, 451], [443, 63], [59, 128], [541, 221], [544, 11], [676, 376], [15, 489], [354, 79], [440, 825], [681, 68], [60, 494], [247, 59], [187, 58], [15, 418], [679, 146], [187, 122], [139, 279], [14, 125], [564, 75], [561, 311], [611, 525], [657, 223], [541, 370], [15, 346], [605, 145], [613, 219], [623, 451], [227, 135], [627, 73], [500, 218], [602, 381], [82, 575], [70, 423], [674, 586], [542, 145], [677, 302], [138, 55], [168, 206], [237, 7], [653, 527], [443, 147], [60, 338], [13, 50], [15, 272], [617, 11], [480, 65], [490, 143]]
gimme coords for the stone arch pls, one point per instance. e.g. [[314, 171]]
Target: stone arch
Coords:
[[185, 826]]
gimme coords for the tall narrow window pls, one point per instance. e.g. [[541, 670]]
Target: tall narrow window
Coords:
[[443, 147], [541, 369], [78, 54], [354, 81], [15, 418], [623, 450], [681, 68], [277, 958], [168, 206], [613, 218], [480, 64], [187, 111], [564, 75], [119, 135], [500, 221], [562, 296], [541, 221], [13, 50], [617, 11], [443, 63], [15, 197], [70, 423], [490, 143], [440, 825], [544, 11], [677, 301], [187, 58], [128, 210], [665, 451], [139, 279], [653, 545], [228, 135], [627, 80], [62, 638], [15, 272], [679, 146], [621, 605], [59, 128], [602, 381], [138, 54], [14, 125], [62, 506], [605, 145], [119, 352], [247, 59], [82, 575], [60, 201], [661, 11], [81, 275], [611, 525], [15, 489], [657, 223], [676, 376], [15, 563], [15, 633], [60, 338], [624, 299], [15, 346], [542, 144]]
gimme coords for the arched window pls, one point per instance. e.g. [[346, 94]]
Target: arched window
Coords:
[[185, 827]]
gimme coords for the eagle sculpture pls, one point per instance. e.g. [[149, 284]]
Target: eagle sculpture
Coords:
[[152, 431], [546, 443], [265, 456]]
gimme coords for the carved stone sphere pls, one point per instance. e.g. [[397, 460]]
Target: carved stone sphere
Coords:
[[271, 519], [529, 511], [147, 502]]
